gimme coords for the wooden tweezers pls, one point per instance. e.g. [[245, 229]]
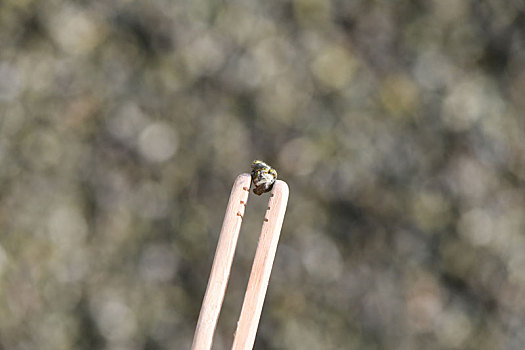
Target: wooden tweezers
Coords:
[[244, 337]]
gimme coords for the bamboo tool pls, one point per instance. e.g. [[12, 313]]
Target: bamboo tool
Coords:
[[261, 269]]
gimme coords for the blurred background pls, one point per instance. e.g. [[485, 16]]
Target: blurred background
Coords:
[[398, 126]]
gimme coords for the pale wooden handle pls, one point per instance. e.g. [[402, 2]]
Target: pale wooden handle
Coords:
[[220, 272], [262, 268]]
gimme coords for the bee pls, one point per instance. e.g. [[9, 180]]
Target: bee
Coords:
[[263, 177]]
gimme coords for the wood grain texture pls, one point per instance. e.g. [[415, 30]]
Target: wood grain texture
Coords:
[[220, 272], [261, 268]]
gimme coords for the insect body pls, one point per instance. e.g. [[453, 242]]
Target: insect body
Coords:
[[263, 177]]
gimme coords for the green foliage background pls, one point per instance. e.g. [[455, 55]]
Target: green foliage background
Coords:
[[398, 126]]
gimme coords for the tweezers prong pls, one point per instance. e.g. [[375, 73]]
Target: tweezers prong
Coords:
[[220, 271], [262, 268]]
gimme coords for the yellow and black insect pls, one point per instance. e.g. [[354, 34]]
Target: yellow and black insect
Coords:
[[263, 177]]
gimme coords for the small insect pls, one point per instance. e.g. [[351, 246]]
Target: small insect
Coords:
[[263, 177]]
